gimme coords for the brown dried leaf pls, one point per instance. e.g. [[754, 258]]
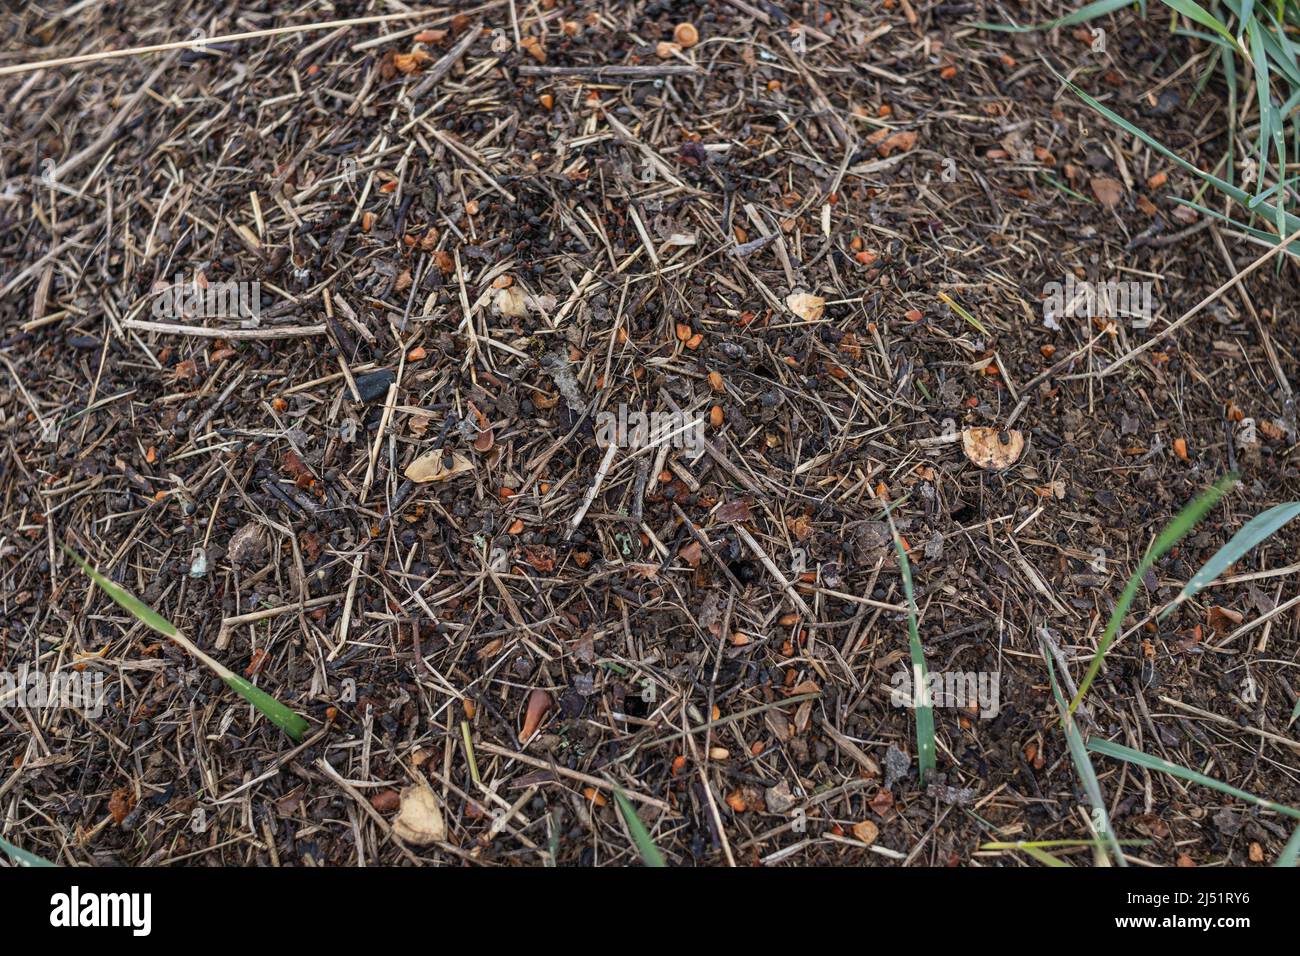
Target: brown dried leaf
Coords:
[[511, 302], [120, 803], [805, 305], [1223, 619], [800, 527], [899, 142], [866, 831], [733, 511], [420, 822], [541, 557], [430, 467], [984, 447], [1108, 191]]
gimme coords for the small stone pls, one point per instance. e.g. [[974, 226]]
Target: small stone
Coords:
[[897, 765], [374, 385]]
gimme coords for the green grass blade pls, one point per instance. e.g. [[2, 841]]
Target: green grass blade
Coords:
[[1108, 748], [925, 745], [952, 304], [1083, 766], [277, 713], [1042, 856], [1057, 844], [1291, 851], [1167, 538], [128, 601], [1254, 532], [1266, 237], [23, 857], [291, 723], [1090, 12], [650, 854], [1194, 11]]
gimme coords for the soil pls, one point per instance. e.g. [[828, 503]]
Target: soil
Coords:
[[461, 246]]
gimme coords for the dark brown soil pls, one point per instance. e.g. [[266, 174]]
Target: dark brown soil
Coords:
[[750, 722]]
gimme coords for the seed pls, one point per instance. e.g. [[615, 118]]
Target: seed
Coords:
[[593, 796], [666, 51], [716, 383], [718, 753], [547, 101], [539, 702], [1180, 448], [683, 332], [736, 801], [694, 341], [1158, 180], [686, 35], [534, 48], [715, 416], [948, 72]]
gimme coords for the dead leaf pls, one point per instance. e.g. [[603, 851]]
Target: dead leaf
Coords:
[[800, 527], [430, 467], [511, 302], [899, 142], [1108, 191], [805, 305], [733, 511], [420, 822], [866, 831], [541, 557], [984, 447], [120, 803], [482, 443], [1222, 619]]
